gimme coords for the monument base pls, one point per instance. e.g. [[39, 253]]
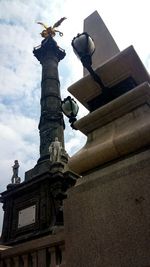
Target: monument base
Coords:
[[110, 218], [34, 207], [106, 215]]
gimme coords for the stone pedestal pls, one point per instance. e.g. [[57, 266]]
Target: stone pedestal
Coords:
[[107, 214], [34, 208]]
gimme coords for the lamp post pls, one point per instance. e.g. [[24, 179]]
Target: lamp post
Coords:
[[84, 47], [70, 109]]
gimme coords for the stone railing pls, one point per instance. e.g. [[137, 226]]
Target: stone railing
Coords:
[[47, 251]]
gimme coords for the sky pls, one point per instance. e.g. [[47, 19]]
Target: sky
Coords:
[[20, 72]]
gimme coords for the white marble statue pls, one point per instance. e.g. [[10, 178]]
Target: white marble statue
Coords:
[[55, 150]]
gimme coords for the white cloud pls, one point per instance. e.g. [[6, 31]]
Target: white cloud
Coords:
[[18, 140]]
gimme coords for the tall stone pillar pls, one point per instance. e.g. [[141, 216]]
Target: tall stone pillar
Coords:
[[51, 121], [105, 44]]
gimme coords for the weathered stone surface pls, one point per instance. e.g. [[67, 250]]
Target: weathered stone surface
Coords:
[[41, 252], [109, 222], [107, 215], [104, 42], [115, 130]]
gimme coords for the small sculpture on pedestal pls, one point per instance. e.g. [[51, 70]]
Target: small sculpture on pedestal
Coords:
[[15, 179]]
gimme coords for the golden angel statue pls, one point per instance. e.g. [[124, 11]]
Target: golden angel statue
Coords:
[[51, 31]]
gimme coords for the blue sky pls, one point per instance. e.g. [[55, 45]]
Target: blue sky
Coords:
[[20, 72]]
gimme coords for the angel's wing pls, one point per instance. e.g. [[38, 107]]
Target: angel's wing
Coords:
[[59, 22], [44, 25]]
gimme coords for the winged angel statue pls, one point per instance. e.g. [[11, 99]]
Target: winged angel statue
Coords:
[[51, 31]]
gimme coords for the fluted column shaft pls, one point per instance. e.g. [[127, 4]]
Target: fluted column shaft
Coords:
[[51, 121]]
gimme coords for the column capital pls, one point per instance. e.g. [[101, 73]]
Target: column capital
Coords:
[[47, 46]]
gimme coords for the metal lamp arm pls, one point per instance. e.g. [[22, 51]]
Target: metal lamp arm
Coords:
[[96, 77]]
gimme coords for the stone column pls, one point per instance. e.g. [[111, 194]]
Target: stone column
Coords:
[[8, 262], [34, 259], [63, 261], [42, 258], [16, 261], [51, 121], [25, 260], [7, 207], [52, 252]]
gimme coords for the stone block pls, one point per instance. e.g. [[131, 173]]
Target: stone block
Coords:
[[123, 70], [104, 42], [107, 215], [121, 127]]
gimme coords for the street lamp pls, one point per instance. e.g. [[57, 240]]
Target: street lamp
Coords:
[[84, 47], [70, 109]]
